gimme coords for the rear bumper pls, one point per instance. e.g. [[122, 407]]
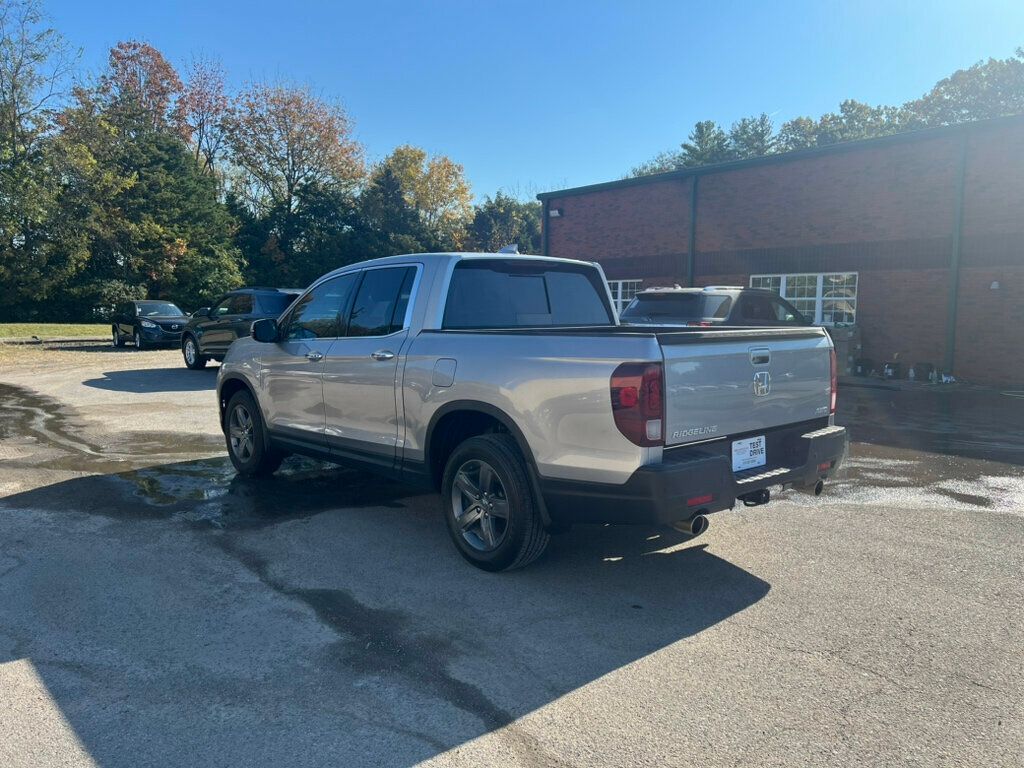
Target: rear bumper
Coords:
[[659, 493]]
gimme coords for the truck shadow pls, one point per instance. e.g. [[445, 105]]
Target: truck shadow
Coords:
[[331, 605]]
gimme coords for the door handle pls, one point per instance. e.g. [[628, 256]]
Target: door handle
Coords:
[[316, 357], [383, 354]]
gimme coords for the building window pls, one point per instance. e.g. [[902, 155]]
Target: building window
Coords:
[[827, 299], [623, 292]]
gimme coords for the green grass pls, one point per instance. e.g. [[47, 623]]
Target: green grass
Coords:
[[52, 330]]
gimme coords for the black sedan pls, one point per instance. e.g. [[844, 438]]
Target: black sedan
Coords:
[[147, 323]]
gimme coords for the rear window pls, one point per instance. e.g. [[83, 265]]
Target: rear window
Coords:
[[678, 307], [521, 294]]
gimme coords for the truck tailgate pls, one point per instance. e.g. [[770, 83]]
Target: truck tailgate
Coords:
[[728, 382]]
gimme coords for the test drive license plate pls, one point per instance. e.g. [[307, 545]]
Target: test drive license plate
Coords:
[[748, 453]]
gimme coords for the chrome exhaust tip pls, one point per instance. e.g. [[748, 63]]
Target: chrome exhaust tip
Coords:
[[812, 490], [695, 526]]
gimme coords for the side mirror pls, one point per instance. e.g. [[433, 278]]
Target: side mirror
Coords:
[[265, 330], [202, 312]]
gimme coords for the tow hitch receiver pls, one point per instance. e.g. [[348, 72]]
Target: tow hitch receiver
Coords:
[[756, 498]]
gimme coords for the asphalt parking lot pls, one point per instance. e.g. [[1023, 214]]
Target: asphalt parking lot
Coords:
[[157, 610]]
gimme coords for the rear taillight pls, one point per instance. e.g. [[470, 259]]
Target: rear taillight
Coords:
[[638, 402], [834, 374]]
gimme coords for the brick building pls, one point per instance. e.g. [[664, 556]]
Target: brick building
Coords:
[[917, 238]]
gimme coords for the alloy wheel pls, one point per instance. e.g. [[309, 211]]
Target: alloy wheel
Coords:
[[190, 352], [240, 430], [480, 505]]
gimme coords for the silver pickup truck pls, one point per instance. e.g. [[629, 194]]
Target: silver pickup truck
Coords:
[[506, 383]]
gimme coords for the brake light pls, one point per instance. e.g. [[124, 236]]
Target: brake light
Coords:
[[638, 402], [834, 375]]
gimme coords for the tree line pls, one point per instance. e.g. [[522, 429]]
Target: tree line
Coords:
[[147, 182], [993, 88]]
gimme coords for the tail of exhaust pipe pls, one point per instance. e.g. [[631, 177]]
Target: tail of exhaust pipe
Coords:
[[813, 490], [695, 526]]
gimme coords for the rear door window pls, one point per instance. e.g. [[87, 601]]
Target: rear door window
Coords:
[[241, 304], [380, 305], [757, 310], [785, 314], [717, 307], [500, 293], [273, 304], [768, 310]]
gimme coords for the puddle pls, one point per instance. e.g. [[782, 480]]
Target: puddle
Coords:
[[927, 481], [920, 448], [971, 499], [125, 478], [24, 413], [972, 425], [30, 419]]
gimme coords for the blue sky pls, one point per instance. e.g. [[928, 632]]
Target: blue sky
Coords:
[[543, 95]]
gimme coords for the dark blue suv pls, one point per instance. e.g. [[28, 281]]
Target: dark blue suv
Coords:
[[147, 323]]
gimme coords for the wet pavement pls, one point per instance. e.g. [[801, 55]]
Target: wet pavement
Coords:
[[155, 609], [967, 423], [960, 448]]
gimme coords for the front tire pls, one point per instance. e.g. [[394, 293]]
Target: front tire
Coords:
[[139, 343], [490, 509], [246, 438], [190, 352]]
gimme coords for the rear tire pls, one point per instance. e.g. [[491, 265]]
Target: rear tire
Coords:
[[190, 352], [116, 336], [490, 509], [246, 439]]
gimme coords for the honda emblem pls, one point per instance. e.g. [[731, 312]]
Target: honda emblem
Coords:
[[762, 383]]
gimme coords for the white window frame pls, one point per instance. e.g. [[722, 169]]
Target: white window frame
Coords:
[[819, 297], [623, 292]]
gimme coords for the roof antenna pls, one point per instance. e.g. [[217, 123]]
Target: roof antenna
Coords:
[[514, 248]]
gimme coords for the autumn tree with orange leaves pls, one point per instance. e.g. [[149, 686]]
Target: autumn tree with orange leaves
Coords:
[[284, 138], [436, 189], [143, 183], [157, 227], [140, 86], [202, 111]]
